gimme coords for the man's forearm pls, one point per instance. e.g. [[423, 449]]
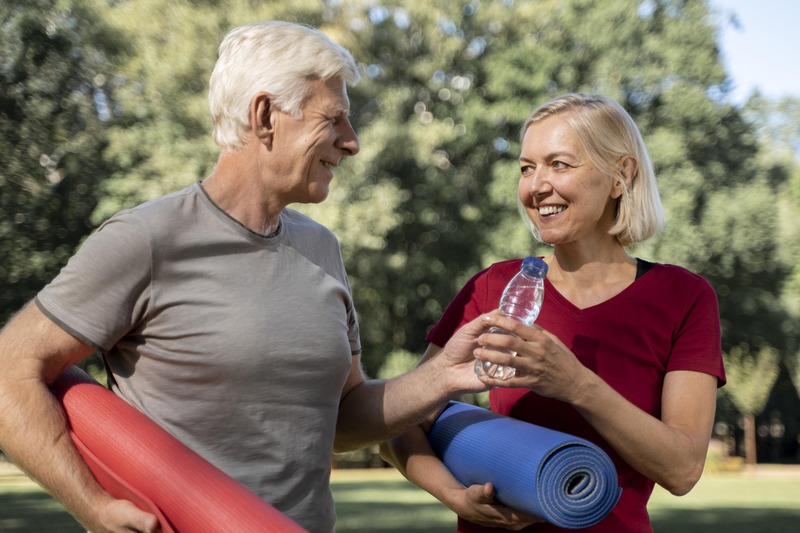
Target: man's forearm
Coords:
[[33, 429], [44, 449], [374, 411], [378, 410]]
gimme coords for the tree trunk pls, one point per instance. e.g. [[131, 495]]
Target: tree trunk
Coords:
[[750, 439]]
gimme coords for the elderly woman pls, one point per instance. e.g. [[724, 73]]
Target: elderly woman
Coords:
[[625, 353]]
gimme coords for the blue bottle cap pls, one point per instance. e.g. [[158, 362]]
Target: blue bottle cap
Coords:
[[534, 266]]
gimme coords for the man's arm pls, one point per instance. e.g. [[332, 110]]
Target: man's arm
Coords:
[[372, 411], [412, 455], [33, 431]]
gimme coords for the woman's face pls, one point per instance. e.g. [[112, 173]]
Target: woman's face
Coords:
[[566, 197]]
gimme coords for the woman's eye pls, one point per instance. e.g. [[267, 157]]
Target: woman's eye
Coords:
[[559, 165], [526, 169]]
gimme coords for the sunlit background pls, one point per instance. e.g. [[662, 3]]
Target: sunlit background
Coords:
[[103, 106]]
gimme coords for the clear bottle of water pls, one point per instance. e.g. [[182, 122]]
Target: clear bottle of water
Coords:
[[521, 300]]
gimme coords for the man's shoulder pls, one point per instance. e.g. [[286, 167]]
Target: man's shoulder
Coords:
[[163, 211], [168, 203], [305, 223]]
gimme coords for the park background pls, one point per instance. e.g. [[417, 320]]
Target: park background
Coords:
[[103, 106]]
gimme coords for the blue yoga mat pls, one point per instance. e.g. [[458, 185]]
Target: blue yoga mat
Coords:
[[566, 480]]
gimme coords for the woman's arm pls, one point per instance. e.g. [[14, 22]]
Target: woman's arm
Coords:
[[670, 451]]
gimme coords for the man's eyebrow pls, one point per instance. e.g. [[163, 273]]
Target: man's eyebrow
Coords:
[[341, 111]]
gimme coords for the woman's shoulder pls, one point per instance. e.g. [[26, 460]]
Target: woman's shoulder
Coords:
[[507, 264], [502, 270], [669, 274]]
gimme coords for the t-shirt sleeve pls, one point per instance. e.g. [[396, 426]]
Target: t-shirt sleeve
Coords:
[[353, 330], [102, 292], [697, 345]]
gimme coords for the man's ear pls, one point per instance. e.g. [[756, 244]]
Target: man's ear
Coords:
[[262, 120]]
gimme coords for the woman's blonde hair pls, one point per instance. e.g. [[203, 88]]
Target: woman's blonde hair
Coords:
[[273, 56], [609, 134]]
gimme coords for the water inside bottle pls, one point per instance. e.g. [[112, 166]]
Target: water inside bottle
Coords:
[[493, 370], [521, 300]]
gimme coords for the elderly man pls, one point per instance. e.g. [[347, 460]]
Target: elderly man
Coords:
[[220, 313]]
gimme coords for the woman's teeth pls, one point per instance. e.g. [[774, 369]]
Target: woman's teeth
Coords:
[[551, 209]]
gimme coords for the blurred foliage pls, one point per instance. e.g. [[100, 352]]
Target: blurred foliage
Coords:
[[103, 106], [752, 376], [54, 120], [397, 363]]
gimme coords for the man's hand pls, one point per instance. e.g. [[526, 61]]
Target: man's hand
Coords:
[[457, 358], [122, 516]]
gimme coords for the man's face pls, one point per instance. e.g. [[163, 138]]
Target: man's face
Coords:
[[308, 149]]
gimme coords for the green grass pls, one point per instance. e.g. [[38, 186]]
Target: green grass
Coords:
[[766, 502], [381, 501], [25, 508]]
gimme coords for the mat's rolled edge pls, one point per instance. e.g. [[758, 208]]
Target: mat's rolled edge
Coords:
[[467, 439], [117, 486]]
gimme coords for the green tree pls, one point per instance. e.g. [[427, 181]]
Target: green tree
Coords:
[[777, 122], [777, 127], [56, 106], [751, 376]]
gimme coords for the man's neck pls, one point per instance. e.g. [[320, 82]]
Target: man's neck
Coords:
[[236, 187]]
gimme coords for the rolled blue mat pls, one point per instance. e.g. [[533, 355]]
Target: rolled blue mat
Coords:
[[566, 480]]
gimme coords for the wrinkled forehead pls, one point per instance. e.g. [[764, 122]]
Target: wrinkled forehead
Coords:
[[329, 95]]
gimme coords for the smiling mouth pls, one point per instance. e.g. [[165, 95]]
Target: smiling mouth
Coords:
[[328, 165], [551, 210]]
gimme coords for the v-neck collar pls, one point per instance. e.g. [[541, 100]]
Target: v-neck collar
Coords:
[[554, 295]]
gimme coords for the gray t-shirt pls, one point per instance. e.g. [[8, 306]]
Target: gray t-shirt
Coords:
[[237, 344]]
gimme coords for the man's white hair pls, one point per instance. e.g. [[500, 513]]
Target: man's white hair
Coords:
[[277, 57]]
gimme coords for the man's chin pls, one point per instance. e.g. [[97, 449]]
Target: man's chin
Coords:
[[317, 196]]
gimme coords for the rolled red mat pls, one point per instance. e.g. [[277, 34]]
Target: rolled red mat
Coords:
[[133, 458]]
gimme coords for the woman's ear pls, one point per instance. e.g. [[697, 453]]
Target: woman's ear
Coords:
[[262, 121], [628, 168]]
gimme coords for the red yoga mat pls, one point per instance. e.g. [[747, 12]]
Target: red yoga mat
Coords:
[[133, 458]]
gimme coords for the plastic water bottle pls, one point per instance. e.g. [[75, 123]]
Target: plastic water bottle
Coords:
[[521, 300]]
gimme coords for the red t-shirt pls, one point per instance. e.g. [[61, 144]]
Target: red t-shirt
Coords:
[[666, 320]]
